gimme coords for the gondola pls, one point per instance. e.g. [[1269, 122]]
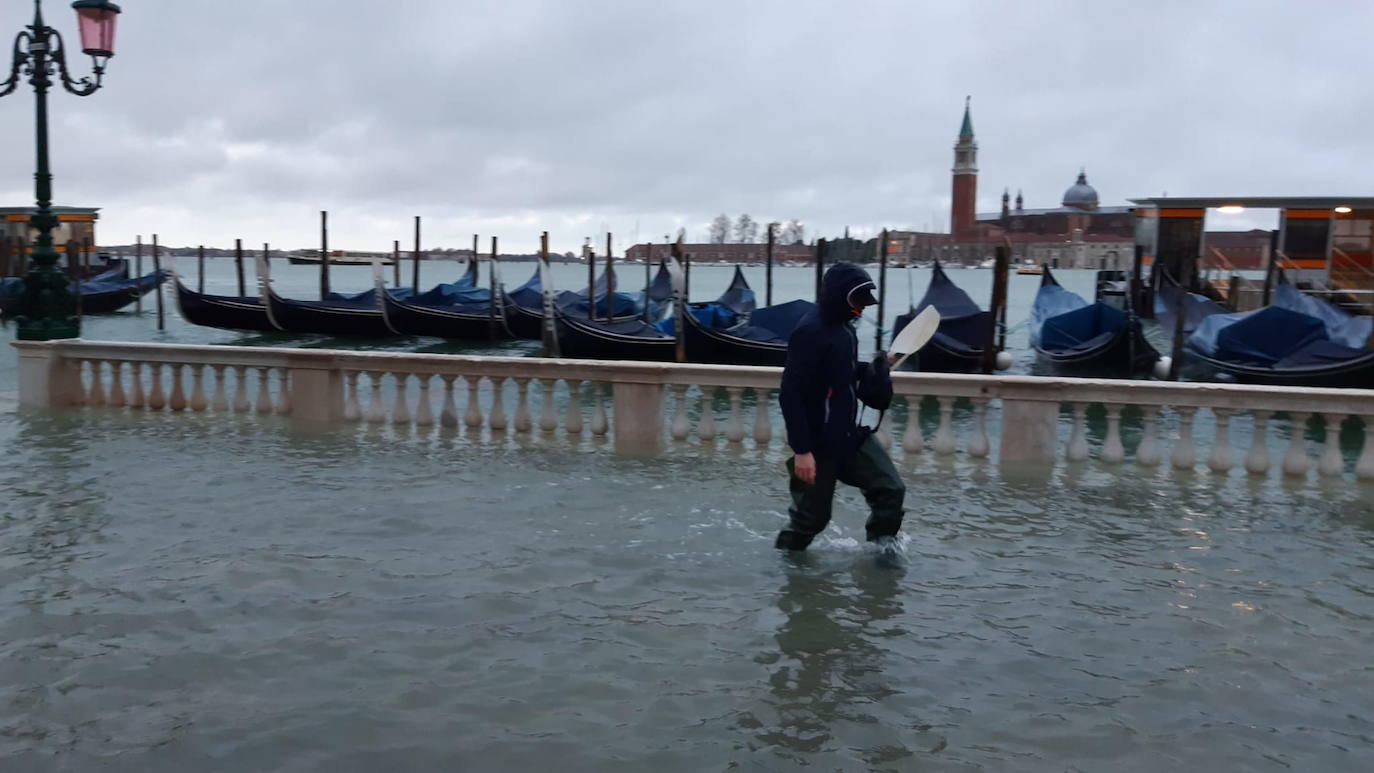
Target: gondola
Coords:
[[231, 312], [760, 340], [631, 339], [103, 294], [441, 315], [1297, 341], [1091, 338], [110, 295], [639, 340], [526, 317], [963, 334]]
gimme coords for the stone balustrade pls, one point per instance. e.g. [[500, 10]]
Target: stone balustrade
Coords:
[[1021, 421]]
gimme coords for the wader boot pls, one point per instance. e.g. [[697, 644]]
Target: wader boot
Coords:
[[870, 470]]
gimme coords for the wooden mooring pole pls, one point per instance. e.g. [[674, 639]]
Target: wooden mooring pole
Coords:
[[610, 279], [238, 266], [138, 270], [324, 255], [157, 269], [882, 291]]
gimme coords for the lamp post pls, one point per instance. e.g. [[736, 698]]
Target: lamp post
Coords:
[[47, 308]]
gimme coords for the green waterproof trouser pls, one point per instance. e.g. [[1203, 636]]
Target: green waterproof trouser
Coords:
[[870, 470]]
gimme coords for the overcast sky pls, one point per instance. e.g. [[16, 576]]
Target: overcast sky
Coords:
[[245, 118]]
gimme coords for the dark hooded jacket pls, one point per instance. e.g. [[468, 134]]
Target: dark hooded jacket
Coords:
[[823, 380]]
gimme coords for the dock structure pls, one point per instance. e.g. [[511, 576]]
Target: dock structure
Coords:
[[1323, 244], [1019, 422]]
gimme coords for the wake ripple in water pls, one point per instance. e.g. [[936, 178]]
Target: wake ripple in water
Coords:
[[186, 596]]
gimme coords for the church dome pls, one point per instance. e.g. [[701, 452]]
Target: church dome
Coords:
[[1081, 195]]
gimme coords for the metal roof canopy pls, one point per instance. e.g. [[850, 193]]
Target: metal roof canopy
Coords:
[[1259, 202]]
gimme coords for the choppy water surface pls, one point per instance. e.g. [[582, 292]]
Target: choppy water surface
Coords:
[[227, 595], [221, 593]]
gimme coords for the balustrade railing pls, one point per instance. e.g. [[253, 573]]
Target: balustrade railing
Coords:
[[1017, 420]]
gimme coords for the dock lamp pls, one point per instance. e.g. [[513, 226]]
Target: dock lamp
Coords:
[[47, 308]]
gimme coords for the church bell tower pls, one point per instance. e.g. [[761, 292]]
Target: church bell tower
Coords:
[[962, 217]]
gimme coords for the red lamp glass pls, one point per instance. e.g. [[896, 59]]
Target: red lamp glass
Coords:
[[96, 20]]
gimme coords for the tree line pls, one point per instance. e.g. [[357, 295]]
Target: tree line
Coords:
[[746, 230]]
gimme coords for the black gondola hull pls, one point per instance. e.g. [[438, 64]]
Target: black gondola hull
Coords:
[[223, 311], [584, 339], [1357, 373], [934, 357], [323, 319], [413, 319], [114, 300], [719, 347], [1110, 358]]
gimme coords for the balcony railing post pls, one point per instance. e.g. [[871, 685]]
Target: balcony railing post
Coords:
[[316, 394], [638, 418], [46, 378], [1029, 432]]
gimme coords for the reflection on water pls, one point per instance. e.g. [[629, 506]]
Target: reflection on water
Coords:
[[834, 667]]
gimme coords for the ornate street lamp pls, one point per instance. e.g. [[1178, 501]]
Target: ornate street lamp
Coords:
[[47, 308]]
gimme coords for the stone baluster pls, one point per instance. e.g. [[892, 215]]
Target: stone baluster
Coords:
[[573, 424], [1185, 451], [523, 422], [912, 441], [424, 411], [883, 432], [1220, 458], [448, 415], [263, 405], [706, 428], [1078, 438], [376, 414], [979, 445], [117, 397], [1295, 461], [156, 399], [283, 406], [944, 434], [681, 426], [219, 399], [1257, 460], [1364, 467], [177, 401], [1331, 462], [137, 398], [497, 418], [548, 419], [400, 411], [241, 389], [472, 418], [198, 401], [763, 421], [96, 395], [734, 429], [1147, 453], [1113, 450], [600, 424], [353, 409]]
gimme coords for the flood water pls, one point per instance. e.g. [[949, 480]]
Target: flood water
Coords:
[[222, 593]]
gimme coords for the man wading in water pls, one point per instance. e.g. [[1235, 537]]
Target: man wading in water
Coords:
[[821, 389]]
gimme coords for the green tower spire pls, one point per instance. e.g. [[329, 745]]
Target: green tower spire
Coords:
[[967, 129]]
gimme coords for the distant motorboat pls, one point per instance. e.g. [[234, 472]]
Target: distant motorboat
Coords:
[[340, 258], [1033, 269]]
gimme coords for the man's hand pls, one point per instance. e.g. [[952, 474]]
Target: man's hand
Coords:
[[804, 466]]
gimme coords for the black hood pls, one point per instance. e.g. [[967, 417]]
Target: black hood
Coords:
[[839, 280]]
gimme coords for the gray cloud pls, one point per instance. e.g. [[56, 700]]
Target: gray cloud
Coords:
[[245, 119]]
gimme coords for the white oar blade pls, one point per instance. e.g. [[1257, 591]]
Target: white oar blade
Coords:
[[917, 332]]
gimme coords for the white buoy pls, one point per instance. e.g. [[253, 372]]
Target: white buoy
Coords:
[[1003, 360], [1162, 366]]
